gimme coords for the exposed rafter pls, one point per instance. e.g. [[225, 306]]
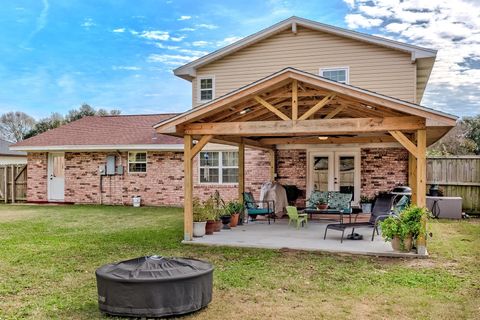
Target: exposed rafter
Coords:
[[267, 105], [317, 107]]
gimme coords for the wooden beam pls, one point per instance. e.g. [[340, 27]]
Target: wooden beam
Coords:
[[200, 144], [330, 140], [334, 112], [294, 100], [267, 105], [235, 140], [317, 107], [422, 186], [188, 189], [421, 167], [306, 127], [412, 176], [372, 99], [272, 164], [405, 142], [241, 170]]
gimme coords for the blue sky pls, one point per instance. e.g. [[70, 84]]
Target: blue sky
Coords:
[[56, 55]]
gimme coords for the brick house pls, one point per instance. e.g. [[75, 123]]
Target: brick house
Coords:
[[349, 102]]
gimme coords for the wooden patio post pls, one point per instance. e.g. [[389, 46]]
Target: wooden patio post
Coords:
[[412, 172], [421, 200], [188, 188], [241, 170]]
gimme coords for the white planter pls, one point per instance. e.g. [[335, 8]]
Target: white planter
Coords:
[[199, 229], [136, 201], [366, 207]]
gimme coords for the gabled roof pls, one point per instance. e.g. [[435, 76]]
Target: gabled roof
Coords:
[[5, 151], [104, 133], [187, 71], [256, 87]]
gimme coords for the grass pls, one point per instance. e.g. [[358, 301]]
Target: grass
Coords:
[[48, 256]]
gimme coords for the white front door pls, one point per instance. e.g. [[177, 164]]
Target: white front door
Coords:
[[56, 177], [334, 171]]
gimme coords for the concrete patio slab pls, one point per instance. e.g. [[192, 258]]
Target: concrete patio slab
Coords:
[[279, 235]]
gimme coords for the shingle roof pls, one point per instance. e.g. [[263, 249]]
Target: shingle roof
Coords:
[[5, 151], [105, 130]]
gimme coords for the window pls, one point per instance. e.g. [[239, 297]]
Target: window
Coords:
[[205, 89], [335, 74], [137, 162], [218, 167]]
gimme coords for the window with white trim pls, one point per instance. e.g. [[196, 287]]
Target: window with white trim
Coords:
[[220, 167], [137, 162], [335, 74], [206, 87]]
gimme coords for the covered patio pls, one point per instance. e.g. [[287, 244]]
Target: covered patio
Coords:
[[293, 107]]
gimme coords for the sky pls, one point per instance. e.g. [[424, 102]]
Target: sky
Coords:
[[119, 54]]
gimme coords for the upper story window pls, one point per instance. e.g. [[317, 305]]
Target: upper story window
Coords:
[[206, 88], [218, 167], [137, 162], [335, 74]]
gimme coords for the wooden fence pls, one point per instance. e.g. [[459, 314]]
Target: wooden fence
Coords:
[[13, 183], [457, 176]]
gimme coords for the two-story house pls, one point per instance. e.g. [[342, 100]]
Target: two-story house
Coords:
[[307, 104]]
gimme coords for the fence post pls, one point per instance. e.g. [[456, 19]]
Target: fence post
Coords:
[[13, 183], [5, 182]]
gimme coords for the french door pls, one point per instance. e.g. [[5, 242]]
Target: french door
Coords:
[[334, 171]]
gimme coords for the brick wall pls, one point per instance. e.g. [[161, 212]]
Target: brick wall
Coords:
[[37, 176], [291, 168], [162, 184], [383, 169]]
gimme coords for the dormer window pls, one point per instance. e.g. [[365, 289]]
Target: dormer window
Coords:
[[336, 74], [206, 87]]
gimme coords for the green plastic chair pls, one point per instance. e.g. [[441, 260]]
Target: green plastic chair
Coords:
[[295, 217]]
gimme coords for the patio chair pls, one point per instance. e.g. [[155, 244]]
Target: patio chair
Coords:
[[340, 201], [295, 217], [253, 207], [381, 210]]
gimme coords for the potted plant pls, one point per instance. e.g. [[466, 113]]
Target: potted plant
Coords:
[[322, 204], [210, 214], [366, 204], [226, 218], [218, 208], [395, 231], [199, 219], [402, 231], [234, 208]]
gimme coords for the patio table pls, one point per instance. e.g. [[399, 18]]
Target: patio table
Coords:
[[312, 211]]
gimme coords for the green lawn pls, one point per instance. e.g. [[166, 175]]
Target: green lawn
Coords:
[[48, 256]]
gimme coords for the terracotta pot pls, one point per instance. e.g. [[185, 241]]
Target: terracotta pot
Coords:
[[322, 206], [234, 220], [199, 229], [218, 226], [210, 227], [407, 244]]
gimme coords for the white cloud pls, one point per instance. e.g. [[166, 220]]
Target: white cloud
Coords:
[[355, 21], [188, 29], [88, 23], [207, 26], [451, 26], [119, 30], [171, 59], [177, 39], [164, 46], [227, 41], [182, 18], [155, 35], [127, 68], [200, 43]]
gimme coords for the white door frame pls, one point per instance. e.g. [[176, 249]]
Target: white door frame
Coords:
[[334, 153], [50, 177]]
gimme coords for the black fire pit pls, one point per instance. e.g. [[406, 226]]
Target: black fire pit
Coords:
[[154, 286]]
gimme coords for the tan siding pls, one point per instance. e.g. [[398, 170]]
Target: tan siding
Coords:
[[371, 67]]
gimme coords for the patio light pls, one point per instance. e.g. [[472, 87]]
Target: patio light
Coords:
[[322, 138]]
